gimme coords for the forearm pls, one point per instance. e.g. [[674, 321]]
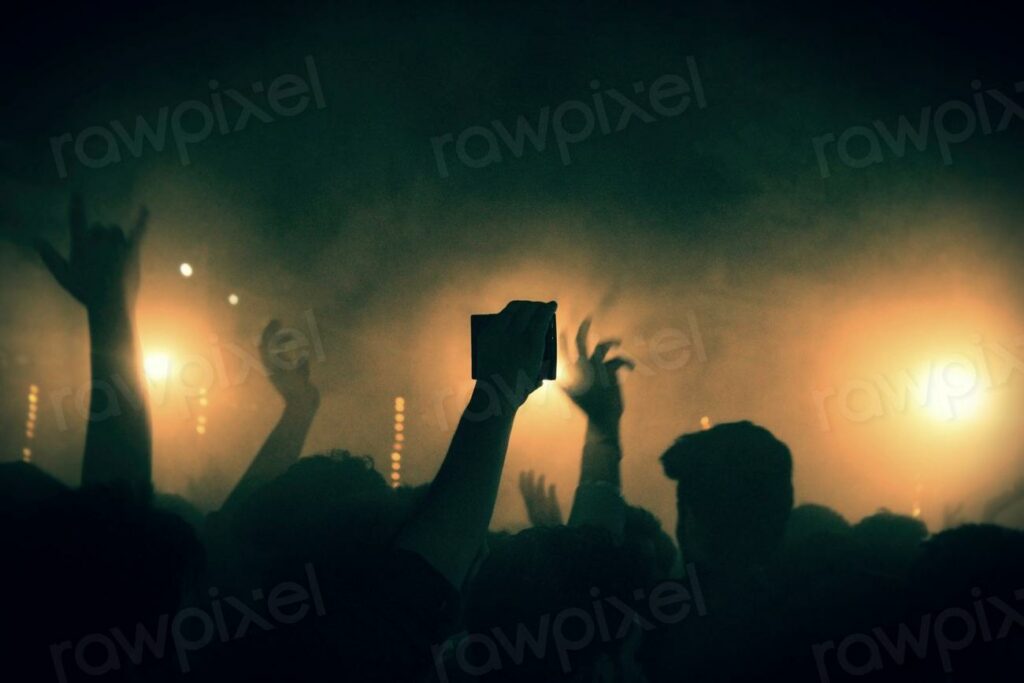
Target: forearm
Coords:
[[280, 451], [602, 453], [452, 523], [118, 441]]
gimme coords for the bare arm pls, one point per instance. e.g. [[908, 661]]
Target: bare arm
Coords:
[[283, 446], [452, 524], [102, 273]]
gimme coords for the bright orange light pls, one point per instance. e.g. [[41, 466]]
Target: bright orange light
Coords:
[[395, 476], [399, 437], [399, 426], [399, 418], [200, 429], [396, 465], [396, 456], [157, 365]]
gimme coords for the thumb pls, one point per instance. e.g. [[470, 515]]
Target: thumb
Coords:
[[55, 263]]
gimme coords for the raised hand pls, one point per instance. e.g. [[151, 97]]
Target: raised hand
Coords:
[[541, 503], [290, 376], [513, 342], [594, 384], [103, 267]]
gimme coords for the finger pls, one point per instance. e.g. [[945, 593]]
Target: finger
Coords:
[[581, 337], [614, 364], [140, 228], [522, 313], [55, 263], [551, 494], [522, 483], [540, 319], [76, 220], [302, 368], [269, 332], [602, 349]]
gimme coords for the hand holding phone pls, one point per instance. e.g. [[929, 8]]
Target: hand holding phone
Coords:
[[518, 345]]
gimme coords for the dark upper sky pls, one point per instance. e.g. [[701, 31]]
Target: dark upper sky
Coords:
[[721, 209]]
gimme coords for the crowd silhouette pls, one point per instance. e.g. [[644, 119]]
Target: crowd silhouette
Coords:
[[316, 568]]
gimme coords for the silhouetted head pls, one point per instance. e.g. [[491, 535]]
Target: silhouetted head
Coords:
[[810, 519], [890, 542], [734, 493]]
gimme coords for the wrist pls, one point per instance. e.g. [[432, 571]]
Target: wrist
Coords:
[[488, 400], [603, 430]]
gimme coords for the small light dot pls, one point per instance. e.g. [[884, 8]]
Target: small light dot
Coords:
[[203, 401], [233, 299], [26, 453], [399, 426], [32, 398], [399, 418], [396, 446], [396, 456], [395, 476], [33, 389], [185, 269], [201, 419], [200, 429], [399, 437], [396, 465]]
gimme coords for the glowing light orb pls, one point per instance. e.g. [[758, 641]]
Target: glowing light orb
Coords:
[[185, 269], [955, 392], [157, 366], [233, 299]]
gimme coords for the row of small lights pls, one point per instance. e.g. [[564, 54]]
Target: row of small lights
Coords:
[[30, 422], [396, 447], [187, 271]]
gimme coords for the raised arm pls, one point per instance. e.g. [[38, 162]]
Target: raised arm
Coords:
[[541, 501], [284, 444], [102, 272], [595, 390], [452, 523]]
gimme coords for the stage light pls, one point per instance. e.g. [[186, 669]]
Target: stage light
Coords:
[[233, 299], [395, 476], [399, 437], [157, 365], [396, 456], [200, 429], [26, 454], [185, 269], [32, 398], [705, 423], [953, 393], [399, 426], [399, 417]]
